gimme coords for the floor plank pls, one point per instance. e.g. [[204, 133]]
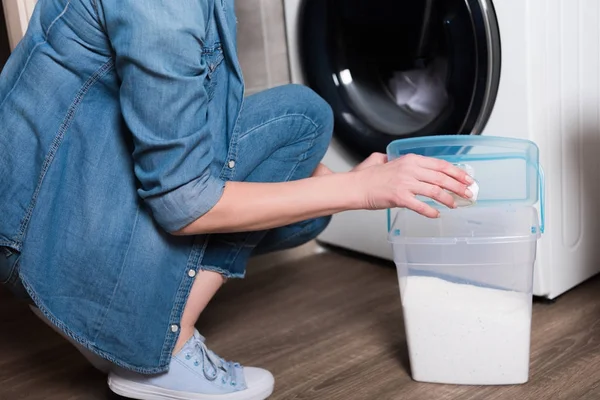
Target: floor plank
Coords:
[[329, 327]]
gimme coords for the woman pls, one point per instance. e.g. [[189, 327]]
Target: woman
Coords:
[[135, 180]]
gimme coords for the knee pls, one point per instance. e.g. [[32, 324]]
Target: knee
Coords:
[[318, 225], [313, 105], [315, 108], [310, 230], [322, 224]]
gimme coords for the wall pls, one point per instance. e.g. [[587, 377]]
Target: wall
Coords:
[[262, 45]]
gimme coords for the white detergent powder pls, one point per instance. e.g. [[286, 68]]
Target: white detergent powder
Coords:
[[465, 334]]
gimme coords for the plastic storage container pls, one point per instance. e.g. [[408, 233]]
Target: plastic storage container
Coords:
[[466, 278]]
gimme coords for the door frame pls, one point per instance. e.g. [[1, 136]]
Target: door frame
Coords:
[[17, 14]]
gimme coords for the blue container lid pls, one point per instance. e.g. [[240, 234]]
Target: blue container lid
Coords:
[[507, 170]]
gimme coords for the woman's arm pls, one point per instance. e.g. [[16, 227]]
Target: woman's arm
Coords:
[[256, 206], [377, 185]]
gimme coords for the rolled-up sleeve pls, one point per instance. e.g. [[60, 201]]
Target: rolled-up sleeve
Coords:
[[158, 58]]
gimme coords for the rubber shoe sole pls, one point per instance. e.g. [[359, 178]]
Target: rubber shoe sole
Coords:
[[140, 391]]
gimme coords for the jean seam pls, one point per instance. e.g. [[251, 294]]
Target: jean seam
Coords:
[[242, 246], [225, 273], [112, 297], [233, 147], [182, 296], [56, 142], [304, 155], [47, 32], [12, 244], [303, 116], [212, 66]]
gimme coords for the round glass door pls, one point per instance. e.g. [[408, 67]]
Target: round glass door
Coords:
[[395, 69]]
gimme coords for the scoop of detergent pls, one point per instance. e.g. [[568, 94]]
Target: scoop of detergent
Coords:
[[462, 202], [474, 188]]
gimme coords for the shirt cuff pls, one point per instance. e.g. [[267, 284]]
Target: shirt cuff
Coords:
[[182, 206]]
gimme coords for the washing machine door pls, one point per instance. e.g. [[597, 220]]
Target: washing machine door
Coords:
[[395, 69]]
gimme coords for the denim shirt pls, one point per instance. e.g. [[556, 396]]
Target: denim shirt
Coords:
[[117, 127]]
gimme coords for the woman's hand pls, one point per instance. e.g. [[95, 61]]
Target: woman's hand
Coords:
[[398, 182]]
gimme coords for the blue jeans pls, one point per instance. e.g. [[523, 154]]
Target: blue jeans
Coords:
[[284, 134]]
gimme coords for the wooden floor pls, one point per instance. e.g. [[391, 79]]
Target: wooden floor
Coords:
[[328, 327]]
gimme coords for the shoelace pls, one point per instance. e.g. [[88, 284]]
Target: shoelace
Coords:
[[215, 362]]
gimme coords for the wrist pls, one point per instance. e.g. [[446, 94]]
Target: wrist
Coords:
[[337, 192], [353, 190]]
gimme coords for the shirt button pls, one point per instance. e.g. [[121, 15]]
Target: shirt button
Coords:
[[191, 273], [231, 164], [174, 328]]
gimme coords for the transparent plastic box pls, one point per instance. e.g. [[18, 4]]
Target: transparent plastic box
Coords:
[[466, 287], [466, 278]]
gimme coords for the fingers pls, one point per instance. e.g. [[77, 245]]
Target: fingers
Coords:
[[421, 208], [383, 158], [444, 167], [444, 181], [434, 192], [377, 158], [373, 159]]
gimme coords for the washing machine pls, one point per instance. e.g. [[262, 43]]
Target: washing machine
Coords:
[[516, 68]]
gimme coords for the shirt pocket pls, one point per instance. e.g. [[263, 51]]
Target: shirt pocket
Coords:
[[213, 58]]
